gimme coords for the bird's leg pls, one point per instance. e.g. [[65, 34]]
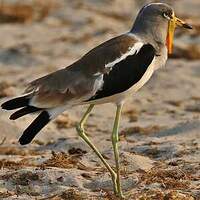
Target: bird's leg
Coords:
[[115, 140], [81, 132]]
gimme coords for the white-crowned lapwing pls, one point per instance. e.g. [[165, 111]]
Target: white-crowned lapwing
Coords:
[[109, 73]]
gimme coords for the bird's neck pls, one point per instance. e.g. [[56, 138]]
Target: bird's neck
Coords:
[[154, 34]]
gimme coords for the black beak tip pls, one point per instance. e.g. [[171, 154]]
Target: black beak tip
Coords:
[[188, 26]]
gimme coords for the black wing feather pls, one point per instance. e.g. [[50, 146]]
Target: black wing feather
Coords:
[[41, 121], [126, 73], [24, 111], [16, 103]]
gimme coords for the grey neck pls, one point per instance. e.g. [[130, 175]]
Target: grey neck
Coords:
[[151, 32]]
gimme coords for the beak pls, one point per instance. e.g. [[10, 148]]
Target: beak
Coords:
[[183, 24], [174, 21]]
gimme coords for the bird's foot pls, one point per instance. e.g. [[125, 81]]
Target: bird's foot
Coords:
[[120, 195], [114, 180]]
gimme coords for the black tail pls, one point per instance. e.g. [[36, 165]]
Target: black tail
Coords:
[[41, 121], [16, 103], [24, 111]]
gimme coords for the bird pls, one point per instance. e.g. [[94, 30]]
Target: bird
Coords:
[[109, 73]]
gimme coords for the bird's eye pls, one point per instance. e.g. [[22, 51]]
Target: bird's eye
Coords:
[[166, 15]]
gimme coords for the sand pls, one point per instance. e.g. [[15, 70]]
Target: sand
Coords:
[[160, 127]]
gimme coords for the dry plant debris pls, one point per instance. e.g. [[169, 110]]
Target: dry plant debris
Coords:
[[181, 52], [12, 150], [73, 194], [64, 121], [175, 103], [132, 115], [5, 194], [14, 165], [9, 164], [142, 130], [6, 89], [76, 151], [168, 178], [25, 11], [159, 195], [63, 160], [193, 108], [22, 178]]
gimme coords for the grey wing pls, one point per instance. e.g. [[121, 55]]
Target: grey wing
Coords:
[[80, 81], [61, 87]]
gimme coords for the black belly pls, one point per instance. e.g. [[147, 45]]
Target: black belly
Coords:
[[126, 73]]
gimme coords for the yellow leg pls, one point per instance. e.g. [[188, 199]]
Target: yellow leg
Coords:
[[115, 140], [81, 132]]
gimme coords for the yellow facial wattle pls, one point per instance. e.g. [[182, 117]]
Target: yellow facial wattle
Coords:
[[170, 35], [173, 22]]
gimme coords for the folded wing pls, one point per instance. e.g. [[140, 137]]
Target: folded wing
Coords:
[[107, 69]]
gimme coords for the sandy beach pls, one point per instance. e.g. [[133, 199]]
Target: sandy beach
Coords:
[[160, 126]]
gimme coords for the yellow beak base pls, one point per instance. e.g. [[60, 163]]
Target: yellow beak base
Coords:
[[171, 29]]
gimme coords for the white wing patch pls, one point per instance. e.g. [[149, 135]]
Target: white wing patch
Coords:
[[131, 51]]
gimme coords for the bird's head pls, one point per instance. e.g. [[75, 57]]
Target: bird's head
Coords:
[[157, 22]]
